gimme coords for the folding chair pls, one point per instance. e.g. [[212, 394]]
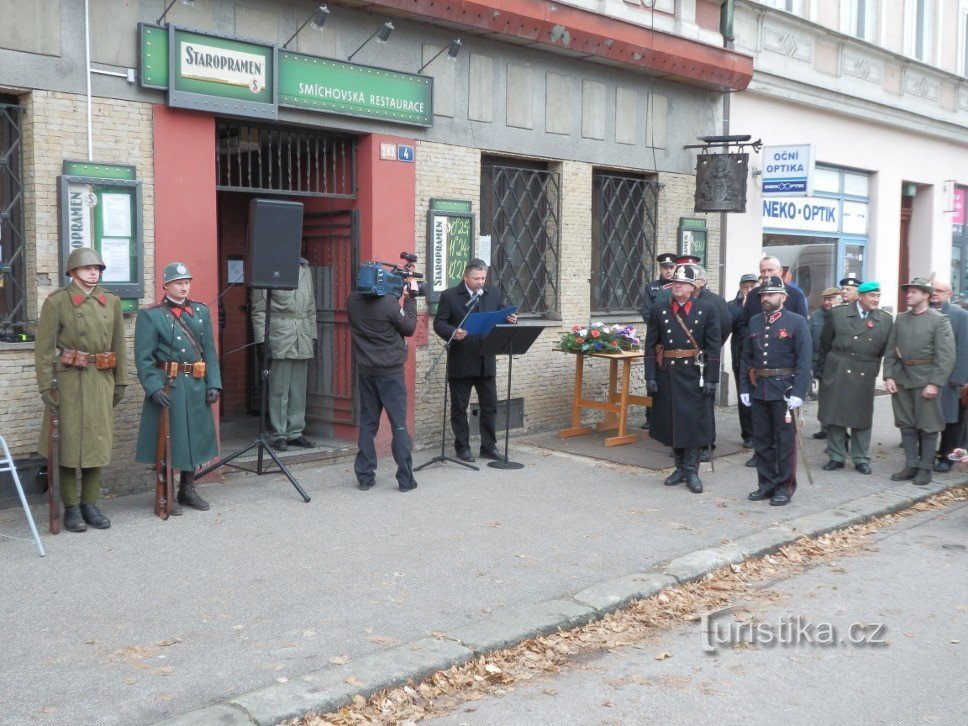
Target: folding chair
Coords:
[[7, 464]]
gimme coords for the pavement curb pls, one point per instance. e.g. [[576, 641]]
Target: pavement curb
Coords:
[[329, 689]]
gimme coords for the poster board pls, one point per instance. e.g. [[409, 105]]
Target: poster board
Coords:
[[450, 230], [101, 207]]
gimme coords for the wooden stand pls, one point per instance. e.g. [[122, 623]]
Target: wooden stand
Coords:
[[616, 408]]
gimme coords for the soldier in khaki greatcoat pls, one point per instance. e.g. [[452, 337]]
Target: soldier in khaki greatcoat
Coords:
[[917, 365], [80, 343], [852, 342]]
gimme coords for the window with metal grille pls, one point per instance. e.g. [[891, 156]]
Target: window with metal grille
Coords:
[[13, 296], [624, 213], [520, 210], [294, 162]]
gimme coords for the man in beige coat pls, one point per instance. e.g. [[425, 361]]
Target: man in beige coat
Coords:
[[80, 345], [291, 344]]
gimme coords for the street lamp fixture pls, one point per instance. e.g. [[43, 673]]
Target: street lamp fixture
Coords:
[[189, 3], [452, 48], [382, 34], [318, 20]]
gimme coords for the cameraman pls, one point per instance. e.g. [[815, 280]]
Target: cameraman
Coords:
[[379, 325]]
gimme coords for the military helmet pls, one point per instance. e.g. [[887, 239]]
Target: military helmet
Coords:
[[685, 273], [83, 256], [175, 271]]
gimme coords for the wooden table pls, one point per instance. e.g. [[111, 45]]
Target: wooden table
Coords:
[[616, 407]]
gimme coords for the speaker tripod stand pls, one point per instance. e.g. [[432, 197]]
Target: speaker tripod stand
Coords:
[[261, 443]]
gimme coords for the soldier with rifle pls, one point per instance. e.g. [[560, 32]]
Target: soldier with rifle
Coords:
[[178, 368], [81, 373]]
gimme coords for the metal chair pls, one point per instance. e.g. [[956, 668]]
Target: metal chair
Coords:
[[7, 464]]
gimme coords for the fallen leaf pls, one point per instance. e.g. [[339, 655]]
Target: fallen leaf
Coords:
[[166, 671], [383, 640], [492, 669], [663, 656], [338, 659], [352, 681]]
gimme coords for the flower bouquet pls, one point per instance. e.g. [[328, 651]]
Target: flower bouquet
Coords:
[[600, 338]]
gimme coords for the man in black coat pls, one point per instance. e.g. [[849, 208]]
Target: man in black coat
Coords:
[[667, 265], [735, 306], [777, 352], [796, 301], [682, 369], [466, 367]]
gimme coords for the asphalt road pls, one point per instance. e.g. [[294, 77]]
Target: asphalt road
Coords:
[[910, 592]]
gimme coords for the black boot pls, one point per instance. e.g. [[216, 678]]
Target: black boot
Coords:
[[92, 515], [691, 464], [910, 441], [73, 521], [678, 475], [922, 478], [187, 496]]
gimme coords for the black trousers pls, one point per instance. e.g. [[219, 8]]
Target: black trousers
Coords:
[[379, 394], [953, 436], [460, 398], [745, 412], [774, 442]]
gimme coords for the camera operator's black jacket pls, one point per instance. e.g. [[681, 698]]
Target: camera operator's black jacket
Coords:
[[464, 359], [379, 327]]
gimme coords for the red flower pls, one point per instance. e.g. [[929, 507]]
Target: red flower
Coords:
[[579, 340], [870, 323], [783, 333], [596, 333]]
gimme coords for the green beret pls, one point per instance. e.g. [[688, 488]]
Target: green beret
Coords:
[[869, 286]]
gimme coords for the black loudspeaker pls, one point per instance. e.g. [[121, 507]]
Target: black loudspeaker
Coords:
[[274, 242]]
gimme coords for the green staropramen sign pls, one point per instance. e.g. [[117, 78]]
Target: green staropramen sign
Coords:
[[228, 75], [323, 84]]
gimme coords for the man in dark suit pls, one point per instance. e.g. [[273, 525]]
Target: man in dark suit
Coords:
[[796, 301], [746, 283], [953, 436], [466, 367]]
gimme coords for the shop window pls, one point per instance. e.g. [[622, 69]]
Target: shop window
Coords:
[[520, 211], [826, 180], [624, 214], [856, 185], [13, 296]]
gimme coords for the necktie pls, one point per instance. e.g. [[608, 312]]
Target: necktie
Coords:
[[863, 315]]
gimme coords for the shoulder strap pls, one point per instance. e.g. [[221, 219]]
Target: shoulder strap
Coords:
[[692, 340]]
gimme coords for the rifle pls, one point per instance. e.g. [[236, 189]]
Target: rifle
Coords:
[[164, 481], [53, 465]]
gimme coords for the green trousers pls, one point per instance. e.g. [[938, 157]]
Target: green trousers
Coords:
[[90, 485], [860, 444], [287, 398]]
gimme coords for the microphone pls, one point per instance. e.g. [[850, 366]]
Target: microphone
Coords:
[[474, 299]]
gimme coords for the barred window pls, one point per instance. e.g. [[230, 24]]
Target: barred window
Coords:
[[13, 297], [520, 210], [624, 213]]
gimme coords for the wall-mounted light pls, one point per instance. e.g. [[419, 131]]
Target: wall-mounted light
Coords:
[[384, 35], [189, 3], [452, 48], [318, 20]]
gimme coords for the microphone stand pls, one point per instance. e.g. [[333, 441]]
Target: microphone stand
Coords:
[[442, 456]]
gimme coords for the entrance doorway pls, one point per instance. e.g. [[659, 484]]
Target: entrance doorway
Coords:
[[317, 170]]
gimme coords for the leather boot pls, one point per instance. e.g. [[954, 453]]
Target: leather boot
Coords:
[[929, 450], [923, 477], [691, 464], [73, 521], [92, 515], [187, 496], [678, 475], [909, 441]]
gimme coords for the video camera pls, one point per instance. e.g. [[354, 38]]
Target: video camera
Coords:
[[372, 279]]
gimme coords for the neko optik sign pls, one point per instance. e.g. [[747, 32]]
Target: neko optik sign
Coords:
[[808, 214], [788, 170]]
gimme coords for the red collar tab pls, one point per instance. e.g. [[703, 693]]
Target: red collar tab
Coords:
[[686, 307], [177, 309], [773, 318]]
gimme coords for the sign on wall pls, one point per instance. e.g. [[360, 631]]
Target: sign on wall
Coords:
[[101, 207], [788, 170], [450, 224], [804, 214], [221, 74]]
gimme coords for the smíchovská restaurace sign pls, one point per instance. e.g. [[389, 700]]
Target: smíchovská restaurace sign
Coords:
[[324, 84]]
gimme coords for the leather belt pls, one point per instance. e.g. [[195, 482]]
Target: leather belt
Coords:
[[690, 353], [177, 367], [770, 372]]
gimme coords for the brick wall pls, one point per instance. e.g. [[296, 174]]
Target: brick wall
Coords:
[[55, 129], [544, 377]]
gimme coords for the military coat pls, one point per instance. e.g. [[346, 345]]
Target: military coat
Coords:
[[920, 350], [159, 337], [92, 323], [950, 405], [682, 416], [780, 341], [652, 292], [849, 360], [293, 330]]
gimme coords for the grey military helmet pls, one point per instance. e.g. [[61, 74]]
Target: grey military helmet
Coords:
[[83, 256], [175, 271]]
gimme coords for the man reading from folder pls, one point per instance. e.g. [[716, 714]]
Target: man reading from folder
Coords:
[[466, 367]]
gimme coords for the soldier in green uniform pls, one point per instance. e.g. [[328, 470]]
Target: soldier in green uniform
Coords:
[[292, 340], [919, 359], [852, 342], [80, 342], [178, 331]]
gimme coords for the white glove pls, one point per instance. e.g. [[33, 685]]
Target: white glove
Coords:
[[794, 402], [745, 398]]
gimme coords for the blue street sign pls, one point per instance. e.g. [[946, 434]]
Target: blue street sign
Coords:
[[404, 153]]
